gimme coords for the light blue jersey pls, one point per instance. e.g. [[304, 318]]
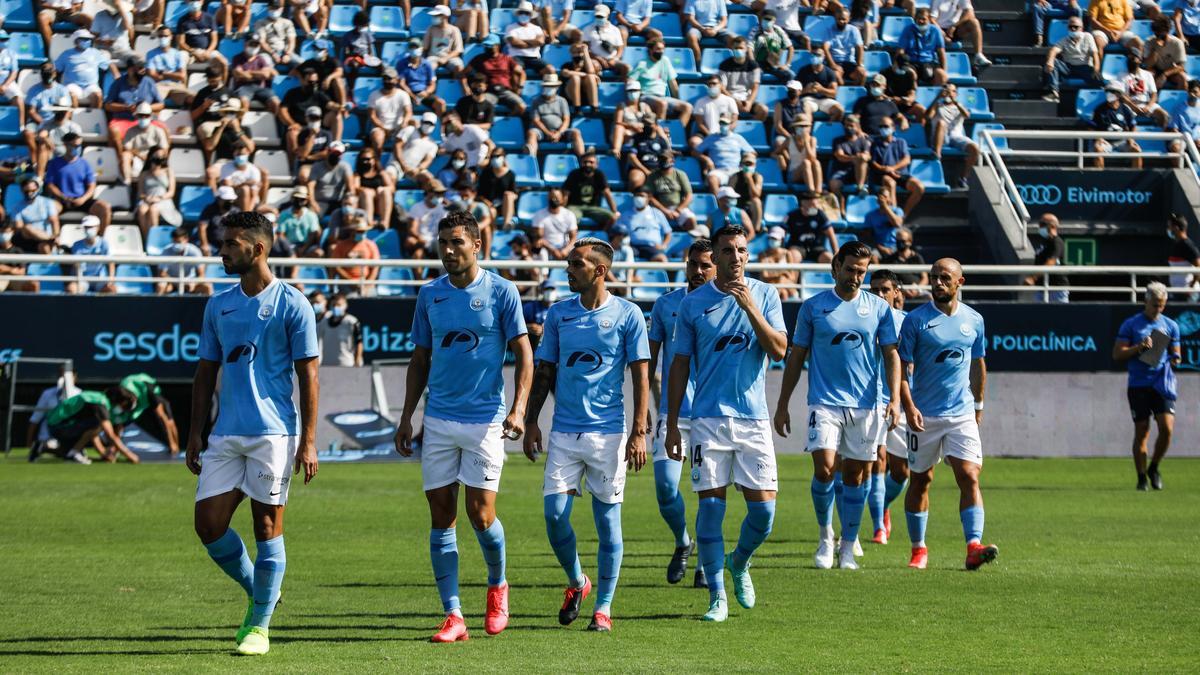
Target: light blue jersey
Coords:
[[467, 331], [885, 393], [256, 342], [728, 363], [941, 349], [841, 337], [591, 350], [662, 331], [1137, 328]]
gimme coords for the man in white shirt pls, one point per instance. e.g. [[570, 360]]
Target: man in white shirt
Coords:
[[555, 227], [1141, 93], [415, 150], [606, 43], [390, 110], [710, 108], [946, 119], [957, 20], [1075, 56], [444, 42], [246, 179], [469, 138], [425, 216], [523, 40]]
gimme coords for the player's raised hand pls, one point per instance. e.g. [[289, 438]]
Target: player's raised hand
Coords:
[[892, 413], [403, 438], [741, 293], [306, 459], [916, 422], [674, 443], [514, 426], [635, 451], [192, 459], [533, 442]]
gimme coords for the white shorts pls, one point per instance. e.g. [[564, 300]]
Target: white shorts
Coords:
[[83, 92], [259, 466], [896, 440], [12, 91], [600, 458], [454, 452], [659, 452], [852, 432], [722, 175], [958, 141], [945, 437], [728, 450], [813, 105]]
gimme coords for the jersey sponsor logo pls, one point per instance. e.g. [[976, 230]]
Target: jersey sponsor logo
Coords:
[[951, 355], [848, 338], [734, 342], [586, 358], [171, 346], [464, 339], [265, 312], [248, 350]]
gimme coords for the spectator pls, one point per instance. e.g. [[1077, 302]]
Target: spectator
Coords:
[[523, 40], [915, 283], [629, 118], [101, 274], [1187, 23], [390, 111], [728, 213], [748, 183], [925, 48], [649, 231], [253, 74], [787, 15], [882, 222], [35, 218], [720, 154], [331, 180], [358, 49], [776, 253], [1050, 252], [957, 20], [947, 119], [50, 135], [1115, 115], [353, 244], [670, 191], [212, 217], [312, 17], [424, 217], [50, 12], [331, 80], [80, 67], [554, 228], [443, 41], [465, 197], [705, 19], [277, 35], [320, 304], [618, 238], [478, 107], [819, 87], [71, 180], [456, 169], [141, 140], [193, 273], [710, 108], [339, 336], [1112, 22], [810, 235], [347, 211], [1183, 253], [900, 85], [772, 47], [498, 187], [312, 144], [1140, 91], [583, 77], [299, 102], [876, 107], [1075, 56], [845, 51], [797, 156], [548, 119], [124, 97], [113, 27], [248, 180], [890, 161], [1185, 117], [644, 152], [42, 103], [633, 17], [196, 32], [584, 188], [1043, 10], [503, 73], [415, 150], [376, 188], [167, 67], [280, 248], [299, 225], [466, 137], [7, 247], [863, 16], [156, 194], [1166, 56], [657, 79], [787, 109], [471, 17], [606, 43], [205, 104], [535, 311], [526, 278], [740, 77]]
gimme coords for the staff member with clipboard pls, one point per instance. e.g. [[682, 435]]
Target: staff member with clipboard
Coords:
[[1149, 342]]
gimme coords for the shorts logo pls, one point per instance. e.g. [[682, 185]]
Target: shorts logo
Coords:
[[734, 342], [477, 304], [848, 338], [271, 478], [585, 358], [265, 312], [863, 311], [462, 338], [248, 350], [965, 330], [951, 355], [762, 468]]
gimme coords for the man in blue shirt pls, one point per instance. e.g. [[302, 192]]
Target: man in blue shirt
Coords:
[[1151, 389], [465, 320], [255, 334], [134, 88], [705, 20], [72, 181], [633, 18], [167, 66], [725, 331], [36, 217], [1185, 118], [943, 342], [196, 32], [100, 274], [720, 153], [845, 47], [841, 328], [700, 270], [80, 69], [587, 342], [882, 222], [925, 46], [890, 472], [649, 231], [889, 167]]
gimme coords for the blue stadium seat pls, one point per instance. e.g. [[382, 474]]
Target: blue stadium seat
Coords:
[[742, 24], [175, 10], [1192, 67], [593, 132], [811, 280], [756, 247], [612, 94], [710, 59], [825, 133], [680, 241], [624, 201], [703, 203], [684, 62], [341, 19], [387, 22], [1086, 102], [611, 168], [842, 240], [857, 208], [878, 61], [803, 59], [694, 91], [390, 52], [395, 274], [406, 199], [388, 243], [654, 277], [282, 84], [352, 134], [893, 27], [312, 278], [363, 87], [777, 207], [1170, 99], [18, 15], [1142, 29], [528, 174], [448, 90], [530, 203], [1148, 145], [556, 55], [927, 95], [10, 123], [958, 68], [690, 166], [918, 145], [975, 100], [501, 243], [134, 287], [158, 238], [508, 133], [226, 47], [847, 96], [556, 167], [676, 132], [46, 270], [29, 48], [501, 17], [755, 134], [421, 21], [214, 271], [192, 200], [1056, 31], [976, 135], [819, 28], [558, 277], [580, 17], [773, 178], [770, 94], [930, 173], [668, 25], [632, 55]]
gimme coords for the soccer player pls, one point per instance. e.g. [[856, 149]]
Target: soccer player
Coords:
[[841, 328], [700, 270], [255, 334], [890, 471], [587, 341], [944, 342], [723, 334], [150, 410], [464, 322], [1151, 388]]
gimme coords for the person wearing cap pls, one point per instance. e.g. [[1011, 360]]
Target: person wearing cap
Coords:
[[649, 231], [100, 274], [478, 107], [947, 119], [548, 119], [332, 179], [298, 105], [554, 227], [900, 84], [644, 150], [632, 17], [252, 74], [300, 225], [196, 32], [1114, 114], [219, 139], [810, 235], [907, 254], [710, 108], [71, 180], [527, 279], [48, 139], [390, 110], [205, 105], [606, 43], [277, 34], [140, 141], [192, 273], [657, 78], [443, 41], [50, 12], [125, 95], [851, 158], [748, 183], [9, 69], [418, 77], [819, 86], [415, 150], [339, 335], [35, 217], [775, 252], [424, 217], [358, 48], [582, 75], [740, 77], [331, 79], [670, 191], [890, 163], [925, 46], [40, 106], [705, 20], [585, 186], [523, 40], [720, 153], [208, 227], [80, 67], [466, 137], [728, 213], [876, 107], [352, 243], [112, 27], [167, 66], [772, 47], [156, 193], [504, 74]]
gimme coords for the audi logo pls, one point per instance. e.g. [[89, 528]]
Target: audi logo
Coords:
[[1040, 195]]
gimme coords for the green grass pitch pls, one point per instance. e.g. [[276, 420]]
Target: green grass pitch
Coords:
[[103, 573]]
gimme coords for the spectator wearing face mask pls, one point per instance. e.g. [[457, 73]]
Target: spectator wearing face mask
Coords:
[[300, 225], [710, 108], [456, 169], [48, 139], [585, 187], [71, 180], [504, 75], [876, 107], [797, 156], [772, 48], [253, 72], [526, 278], [35, 218], [618, 238], [548, 119], [1076, 56], [191, 273], [141, 140], [705, 19], [415, 150], [845, 50], [632, 17], [882, 222], [629, 118], [312, 144], [720, 154], [320, 304], [582, 77], [606, 43], [658, 81], [1141, 93], [900, 85], [156, 194], [749, 185], [212, 217], [444, 41], [644, 152], [196, 32], [498, 187], [728, 213], [125, 96], [7, 247], [478, 107], [234, 17], [810, 235], [925, 46], [947, 119], [167, 66], [819, 87], [649, 231], [331, 79], [42, 103], [247, 179], [1165, 55], [906, 254], [776, 253], [524, 39], [390, 109], [358, 48], [298, 106], [331, 180], [554, 227], [376, 188], [277, 34], [1041, 11], [1115, 115], [353, 244], [339, 336], [670, 191], [80, 67], [740, 78], [424, 217], [1050, 253], [99, 275], [1185, 117], [890, 163]]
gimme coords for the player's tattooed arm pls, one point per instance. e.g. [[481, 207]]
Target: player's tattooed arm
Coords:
[[978, 385], [916, 421], [791, 377]]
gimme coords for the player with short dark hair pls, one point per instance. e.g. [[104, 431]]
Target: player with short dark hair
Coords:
[[587, 342], [255, 334], [464, 322], [700, 270], [725, 331], [890, 472]]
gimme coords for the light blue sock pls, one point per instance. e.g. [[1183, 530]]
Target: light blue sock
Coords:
[[443, 553], [838, 495], [557, 509], [670, 502], [230, 555], [822, 496], [891, 490], [875, 496], [709, 519], [755, 528], [972, 522], [611, 550], [269, 565], [491, 542], [916, 526], [854, 499]]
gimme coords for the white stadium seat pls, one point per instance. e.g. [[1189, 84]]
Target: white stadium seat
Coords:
[[124, 240], [94, 124], [188, 165], [104, 161]]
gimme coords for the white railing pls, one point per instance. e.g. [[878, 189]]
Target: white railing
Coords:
[[420, 271]]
